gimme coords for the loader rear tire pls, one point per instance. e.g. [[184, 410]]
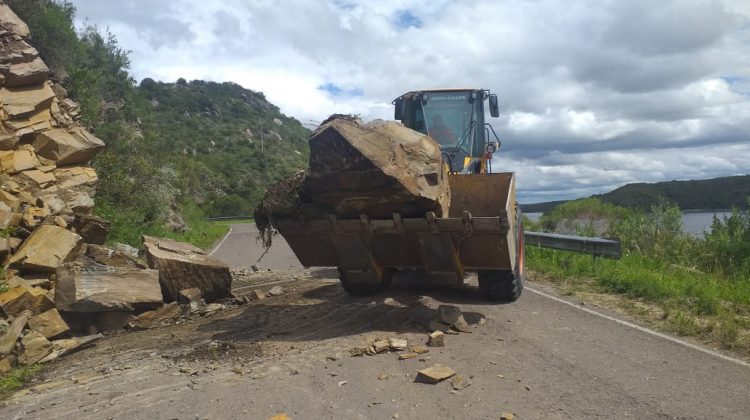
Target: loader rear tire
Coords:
[[366, 289], [506, 285]]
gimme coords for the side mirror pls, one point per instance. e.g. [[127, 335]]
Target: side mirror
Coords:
[[494, 107], [398, 109]]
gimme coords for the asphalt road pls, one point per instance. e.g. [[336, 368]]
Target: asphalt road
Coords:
[[540, 358], [240, 248]]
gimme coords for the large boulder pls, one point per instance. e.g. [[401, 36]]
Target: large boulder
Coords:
[[377, 169], [184, 266], [100, 288], [67, 147], [46, 249]]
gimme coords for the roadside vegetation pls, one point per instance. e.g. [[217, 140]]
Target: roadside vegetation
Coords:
[[182, 150], [689, 285], [16, 378]]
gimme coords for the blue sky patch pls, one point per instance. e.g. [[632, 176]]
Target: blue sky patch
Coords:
[[405, 19], [335, 90]]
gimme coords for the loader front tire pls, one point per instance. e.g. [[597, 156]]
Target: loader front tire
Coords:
[[500, 285], [505, 285], [366, 289]]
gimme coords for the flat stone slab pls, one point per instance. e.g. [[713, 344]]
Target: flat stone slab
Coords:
[[108, 289], [434, 374], [45, 250], [183, 266]]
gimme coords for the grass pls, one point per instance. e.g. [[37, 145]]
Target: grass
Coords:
[[127, 227], [692, 286], [696, 304], [17, 377]]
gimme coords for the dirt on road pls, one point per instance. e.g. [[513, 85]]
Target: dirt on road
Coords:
[[536, 358]]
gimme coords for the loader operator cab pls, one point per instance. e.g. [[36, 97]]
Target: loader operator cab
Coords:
[[455, 118]]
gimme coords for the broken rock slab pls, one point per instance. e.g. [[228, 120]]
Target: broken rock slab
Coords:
[[12, 22], [434, 374], [19, 102], [107, 289], [111, 257], [436, 339], [46, 249], [6, 365], [35, 348], [50, 324], [14, 161], [67, 146], [8, 340], [93, 230], [22, 298], [184, 266], [449, 314], [25, 73], [276, 291], [157, 317], [69, 345], [397, 344]]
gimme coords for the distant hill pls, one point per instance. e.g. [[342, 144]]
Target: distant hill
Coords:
[[229, 140], [706, 194]]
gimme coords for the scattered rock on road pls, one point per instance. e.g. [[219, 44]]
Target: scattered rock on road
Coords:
[[276, 291], [460, 382], [419, 349], [434, 374], [397, 344], [436, 339]]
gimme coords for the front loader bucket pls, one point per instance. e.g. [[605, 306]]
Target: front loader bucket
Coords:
[[478, 234]]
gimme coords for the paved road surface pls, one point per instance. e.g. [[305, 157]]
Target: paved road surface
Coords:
[[539, 358], [241, 249]]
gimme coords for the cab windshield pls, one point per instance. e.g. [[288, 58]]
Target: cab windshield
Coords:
[[446, 117]]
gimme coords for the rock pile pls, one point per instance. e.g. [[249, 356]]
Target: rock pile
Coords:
[[60, 286]]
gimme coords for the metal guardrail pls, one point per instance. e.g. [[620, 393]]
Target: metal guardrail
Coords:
[[600, 247], [230, 218]]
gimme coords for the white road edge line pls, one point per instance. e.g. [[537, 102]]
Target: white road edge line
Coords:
[[221, 242], [643, 329]]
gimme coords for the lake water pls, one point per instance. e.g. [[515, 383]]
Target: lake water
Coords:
[[692, 223]]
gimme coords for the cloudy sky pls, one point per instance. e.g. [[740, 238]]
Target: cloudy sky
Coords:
[[594, 94]]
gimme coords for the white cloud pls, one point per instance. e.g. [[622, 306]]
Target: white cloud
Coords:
[[593, 93]]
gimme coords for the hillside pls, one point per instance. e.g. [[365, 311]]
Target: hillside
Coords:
[[229, 140], [707, 194], [176, 152]]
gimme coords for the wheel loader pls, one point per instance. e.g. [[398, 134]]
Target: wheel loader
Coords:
[[482, 233]]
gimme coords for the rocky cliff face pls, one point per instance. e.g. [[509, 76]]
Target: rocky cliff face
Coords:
[[44, 152], [59, 282]]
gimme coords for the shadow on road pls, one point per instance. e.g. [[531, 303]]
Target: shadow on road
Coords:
[[327, 312]]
